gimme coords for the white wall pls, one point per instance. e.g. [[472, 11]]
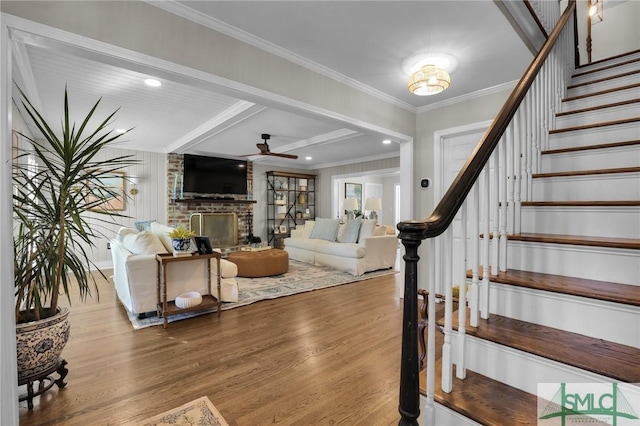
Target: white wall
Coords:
[[618, 33], [471, 111], [326, 176]]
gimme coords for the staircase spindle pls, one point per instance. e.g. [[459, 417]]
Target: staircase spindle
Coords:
[[505, 160], [447, 357], [486, 265], [474, 293], [494, 199], [461, 371]]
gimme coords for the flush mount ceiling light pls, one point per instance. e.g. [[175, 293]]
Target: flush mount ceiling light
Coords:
[[152, 82], [429, 80], [386, 141]]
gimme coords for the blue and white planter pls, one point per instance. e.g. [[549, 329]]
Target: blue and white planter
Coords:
[[181, 244]]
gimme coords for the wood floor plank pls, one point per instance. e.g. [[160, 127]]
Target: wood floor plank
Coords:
[[329, 356]]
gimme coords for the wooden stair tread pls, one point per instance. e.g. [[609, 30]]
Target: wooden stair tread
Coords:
[[591, 147], [599, 61], [593, 289], [619, 362], [597, 108], [600, 80], [612, 203], [602, 92], [595, 125], [630, 61], [624, 243], [587, 172], [482, 399]]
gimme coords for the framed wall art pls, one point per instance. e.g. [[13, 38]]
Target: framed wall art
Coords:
[[110, 187], [354, 190]]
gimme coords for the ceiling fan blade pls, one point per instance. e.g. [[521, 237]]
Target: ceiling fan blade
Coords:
[[263, 147], [277, 154]]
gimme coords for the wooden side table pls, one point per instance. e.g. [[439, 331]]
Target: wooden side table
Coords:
[[166, 307]]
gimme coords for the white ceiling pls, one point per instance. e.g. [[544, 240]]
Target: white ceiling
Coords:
[[366, 44]]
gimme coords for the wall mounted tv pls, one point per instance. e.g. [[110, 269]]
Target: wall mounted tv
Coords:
[[213, 175]]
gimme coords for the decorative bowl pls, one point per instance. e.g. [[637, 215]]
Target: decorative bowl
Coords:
[[188, 300]]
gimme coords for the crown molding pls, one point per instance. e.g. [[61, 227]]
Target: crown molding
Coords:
[[469, 96], [178, 9]]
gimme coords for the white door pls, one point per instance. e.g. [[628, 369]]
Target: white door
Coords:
[[453, 148]]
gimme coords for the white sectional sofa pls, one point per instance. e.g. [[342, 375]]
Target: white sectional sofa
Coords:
[[135, 270], [356, 247]]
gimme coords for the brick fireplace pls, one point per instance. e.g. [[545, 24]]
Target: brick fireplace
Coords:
[[178, 213]]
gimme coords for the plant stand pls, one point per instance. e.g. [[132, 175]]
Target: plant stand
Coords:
[[46, 382]]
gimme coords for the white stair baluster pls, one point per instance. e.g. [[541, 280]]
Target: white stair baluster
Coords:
[[461, 370], [486, 266], [447, 356], [474, 293]]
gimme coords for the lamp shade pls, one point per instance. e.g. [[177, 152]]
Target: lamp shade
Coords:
[[429, 80], [373, 203], [350, 204]]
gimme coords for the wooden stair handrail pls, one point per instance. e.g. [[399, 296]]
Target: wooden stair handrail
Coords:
[[412, 232], [448, 207]]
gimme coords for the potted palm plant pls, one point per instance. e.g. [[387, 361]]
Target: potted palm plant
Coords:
[[63, 179]]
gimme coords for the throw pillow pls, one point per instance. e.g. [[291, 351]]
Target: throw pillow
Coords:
[[143, 225], [122, 232], [351, 231], [162, 232], [143, 243], [366, 230], [325, 229], [308, 227]]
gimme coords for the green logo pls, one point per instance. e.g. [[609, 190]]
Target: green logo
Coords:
[[588, 403]]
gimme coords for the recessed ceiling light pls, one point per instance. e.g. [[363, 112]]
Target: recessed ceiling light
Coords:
[[121, 130], [308, 158], [152, 82], [386, 141]]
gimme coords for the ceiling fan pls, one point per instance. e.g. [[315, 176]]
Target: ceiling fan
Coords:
[[265, 150]]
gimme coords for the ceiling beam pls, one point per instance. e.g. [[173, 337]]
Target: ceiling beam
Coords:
[[237, 113]]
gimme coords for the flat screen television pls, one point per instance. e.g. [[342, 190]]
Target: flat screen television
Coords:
[[213, 175]]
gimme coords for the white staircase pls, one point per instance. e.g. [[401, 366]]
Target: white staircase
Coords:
[[567, 308]]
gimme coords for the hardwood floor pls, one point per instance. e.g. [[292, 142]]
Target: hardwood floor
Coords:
[[329, 356]]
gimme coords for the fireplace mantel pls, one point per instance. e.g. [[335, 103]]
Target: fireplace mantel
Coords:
[[213, 200]]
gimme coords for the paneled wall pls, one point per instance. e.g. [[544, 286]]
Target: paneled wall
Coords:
[[148, 203]]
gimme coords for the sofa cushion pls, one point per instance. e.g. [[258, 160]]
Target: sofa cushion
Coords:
[[302, 243], [307, 228], [143, 242], [366, 230], [325, 229], [341, 249], [351, 231], [162, 232]]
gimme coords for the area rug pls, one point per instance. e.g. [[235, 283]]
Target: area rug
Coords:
[[300, 278], [198, 412]]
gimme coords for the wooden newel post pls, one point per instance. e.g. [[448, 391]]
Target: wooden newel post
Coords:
[[409, 369]]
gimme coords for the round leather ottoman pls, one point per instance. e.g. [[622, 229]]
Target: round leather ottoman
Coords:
[[265, 263]]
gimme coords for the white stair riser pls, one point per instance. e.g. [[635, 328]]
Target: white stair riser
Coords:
[[615, 186], [520, 369], [597, 135], [623, 156], [615, 222], [596, 263], [604, 85], [602, 99], [594, 318], [604, 73], [598, 116], [607, 63], [444, 416]]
